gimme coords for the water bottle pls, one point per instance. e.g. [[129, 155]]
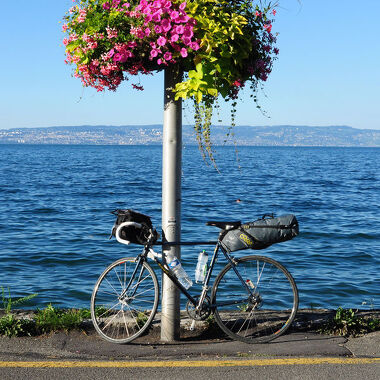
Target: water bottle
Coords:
[[180, 273], [201, 269]]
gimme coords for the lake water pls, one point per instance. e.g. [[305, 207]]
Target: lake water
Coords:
[[56, 200]]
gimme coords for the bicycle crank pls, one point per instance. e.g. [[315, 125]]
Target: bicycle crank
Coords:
[[203, 313]]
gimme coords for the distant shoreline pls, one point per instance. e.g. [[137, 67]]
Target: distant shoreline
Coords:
[[271, 136]]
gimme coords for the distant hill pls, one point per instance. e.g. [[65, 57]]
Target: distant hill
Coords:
[[282, 135]]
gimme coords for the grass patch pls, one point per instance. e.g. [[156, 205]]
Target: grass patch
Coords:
[[44, 321], [347, 323], [53, 319]]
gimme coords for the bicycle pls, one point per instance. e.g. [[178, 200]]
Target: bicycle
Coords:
[[259, 306]]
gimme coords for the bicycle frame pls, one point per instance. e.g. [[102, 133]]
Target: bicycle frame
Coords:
[[148, 252], [197, 303]]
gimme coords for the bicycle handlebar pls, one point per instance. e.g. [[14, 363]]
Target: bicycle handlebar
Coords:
[[122, 225]]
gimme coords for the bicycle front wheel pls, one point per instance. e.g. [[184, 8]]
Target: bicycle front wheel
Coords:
[[124, 300], [259, 306]]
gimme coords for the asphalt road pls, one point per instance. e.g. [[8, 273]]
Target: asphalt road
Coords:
[[321, 369], [297, 355]]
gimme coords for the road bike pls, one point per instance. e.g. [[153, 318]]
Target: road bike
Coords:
[[254, 299]]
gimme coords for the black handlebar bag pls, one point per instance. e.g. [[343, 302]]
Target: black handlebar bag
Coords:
[[261, 233], [133, 234]]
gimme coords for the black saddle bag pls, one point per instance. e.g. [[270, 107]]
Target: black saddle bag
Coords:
[[261, 233], [131, 233]]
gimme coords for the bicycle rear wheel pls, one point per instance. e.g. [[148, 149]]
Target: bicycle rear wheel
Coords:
[[267, 313], [124, 300]]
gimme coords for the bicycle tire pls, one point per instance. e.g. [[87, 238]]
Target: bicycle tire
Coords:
[[120, 315], [263, 317]]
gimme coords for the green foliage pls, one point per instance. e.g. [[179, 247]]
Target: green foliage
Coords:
[[8, 303], [141, 319], [347, 323], [53, 319], [11, 326]]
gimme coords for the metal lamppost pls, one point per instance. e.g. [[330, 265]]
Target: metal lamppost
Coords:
[[171, 201]]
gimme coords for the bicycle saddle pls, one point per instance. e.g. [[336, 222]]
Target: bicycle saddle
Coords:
[[225, 225]]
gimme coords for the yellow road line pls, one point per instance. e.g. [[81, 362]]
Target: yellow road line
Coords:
[[188, 363]]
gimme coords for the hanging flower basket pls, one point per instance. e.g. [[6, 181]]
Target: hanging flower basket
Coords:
[[221, 46]]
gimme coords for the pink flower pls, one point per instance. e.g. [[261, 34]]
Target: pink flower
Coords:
[[117, 57], [111, 33], [174, 38], [156, 17], [166, 25], [188, 32], [154, 53], [158, 29], [65, 41], [168, 56], [194, 46], [183, 18], [159, 61], [161, 41], [64, 27], [174, 15], [274, 12], [183, 52], [186, 41], [179, 29], [182, 6], [106, 6]]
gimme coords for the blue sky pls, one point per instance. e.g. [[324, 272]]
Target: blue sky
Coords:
[[327, 72]]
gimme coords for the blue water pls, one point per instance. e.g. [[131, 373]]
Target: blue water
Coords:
[[55, 222]]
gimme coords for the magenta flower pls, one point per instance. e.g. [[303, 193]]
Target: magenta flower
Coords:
[[186, 41], [168, 56], [158, 29], [166, 25], [156, 17], [182, 6], [195, 46], [179, 29], [117, 57], [183, 53], [161, 41], [174, 15], [106, 6], [174, 38], [154, 53]]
